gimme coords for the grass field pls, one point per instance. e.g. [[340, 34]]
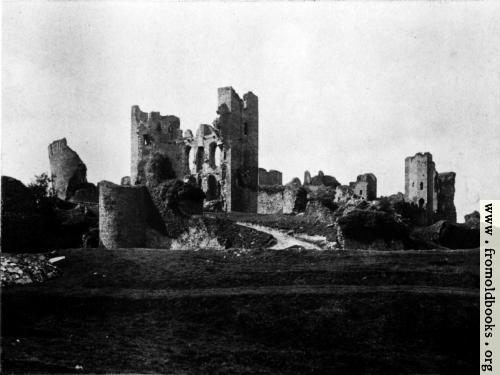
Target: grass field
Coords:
[[247, 312]]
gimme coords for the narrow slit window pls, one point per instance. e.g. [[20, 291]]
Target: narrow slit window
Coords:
[[147, 140]]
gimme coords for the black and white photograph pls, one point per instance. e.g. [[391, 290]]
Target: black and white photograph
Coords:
[[250, 187]]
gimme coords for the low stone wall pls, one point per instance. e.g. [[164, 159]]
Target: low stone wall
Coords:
[[125, 213], [276, 199], [294, 199], [270, 199]]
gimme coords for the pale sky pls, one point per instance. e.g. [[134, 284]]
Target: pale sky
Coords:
[[344, 87]]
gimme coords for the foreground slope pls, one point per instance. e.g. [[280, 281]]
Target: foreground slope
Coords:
[[238, 312]]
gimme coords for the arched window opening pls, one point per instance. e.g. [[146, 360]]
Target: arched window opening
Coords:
[[361, 192], [421, 186], [199, 158], [212, 192], [211, 154], [158, 127], [421, 203], [187, 157], [191, 161], [218, 155], [245, 128]]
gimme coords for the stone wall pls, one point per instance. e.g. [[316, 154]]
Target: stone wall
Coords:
[[270, 199], [68, 172], [365, 186], [288, 199], [272, 177], [126, 213], [294, 198], [153, 133], [239, 126], [446, 195]]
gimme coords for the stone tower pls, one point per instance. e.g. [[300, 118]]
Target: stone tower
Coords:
[[366, 186], [420, 181], [432, 192], [222, 158], [153, 133], [238, 123]]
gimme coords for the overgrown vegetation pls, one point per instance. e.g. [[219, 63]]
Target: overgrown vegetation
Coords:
[[41, 187]]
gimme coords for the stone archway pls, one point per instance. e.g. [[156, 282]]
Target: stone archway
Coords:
[[421, 203], [200, 155], [211, 154], [212, 190]]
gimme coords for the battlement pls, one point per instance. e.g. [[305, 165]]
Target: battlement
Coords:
[[420, 156], [229, 97], [273, 177], [153, 118]]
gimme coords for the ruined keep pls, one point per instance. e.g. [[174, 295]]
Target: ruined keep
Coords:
[[432, 192], [222, 158]]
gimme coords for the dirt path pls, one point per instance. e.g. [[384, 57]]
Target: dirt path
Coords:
[[284, 240]]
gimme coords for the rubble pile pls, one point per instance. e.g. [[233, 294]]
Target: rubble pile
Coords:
[[26, 269]]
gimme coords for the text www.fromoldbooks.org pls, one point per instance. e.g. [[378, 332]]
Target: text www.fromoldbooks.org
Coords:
[[490, 238]]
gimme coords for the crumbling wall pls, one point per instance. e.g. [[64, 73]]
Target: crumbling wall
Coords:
[[270, 199], [126, 213], [365, 186], [445, 197], [473, 220], [208, 162], [294, 198], [153, 133], [221, 158], [238, 123], [343, 193], [322, 179], [272, 177], [68, 172]]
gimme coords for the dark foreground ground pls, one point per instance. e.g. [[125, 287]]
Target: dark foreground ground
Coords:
[[258, 312]]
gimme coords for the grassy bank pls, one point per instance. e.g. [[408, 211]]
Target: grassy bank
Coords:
[[230, 312]]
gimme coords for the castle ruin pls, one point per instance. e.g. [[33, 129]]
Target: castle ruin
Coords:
[[365, 186], [431, 191], [222, 158]]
